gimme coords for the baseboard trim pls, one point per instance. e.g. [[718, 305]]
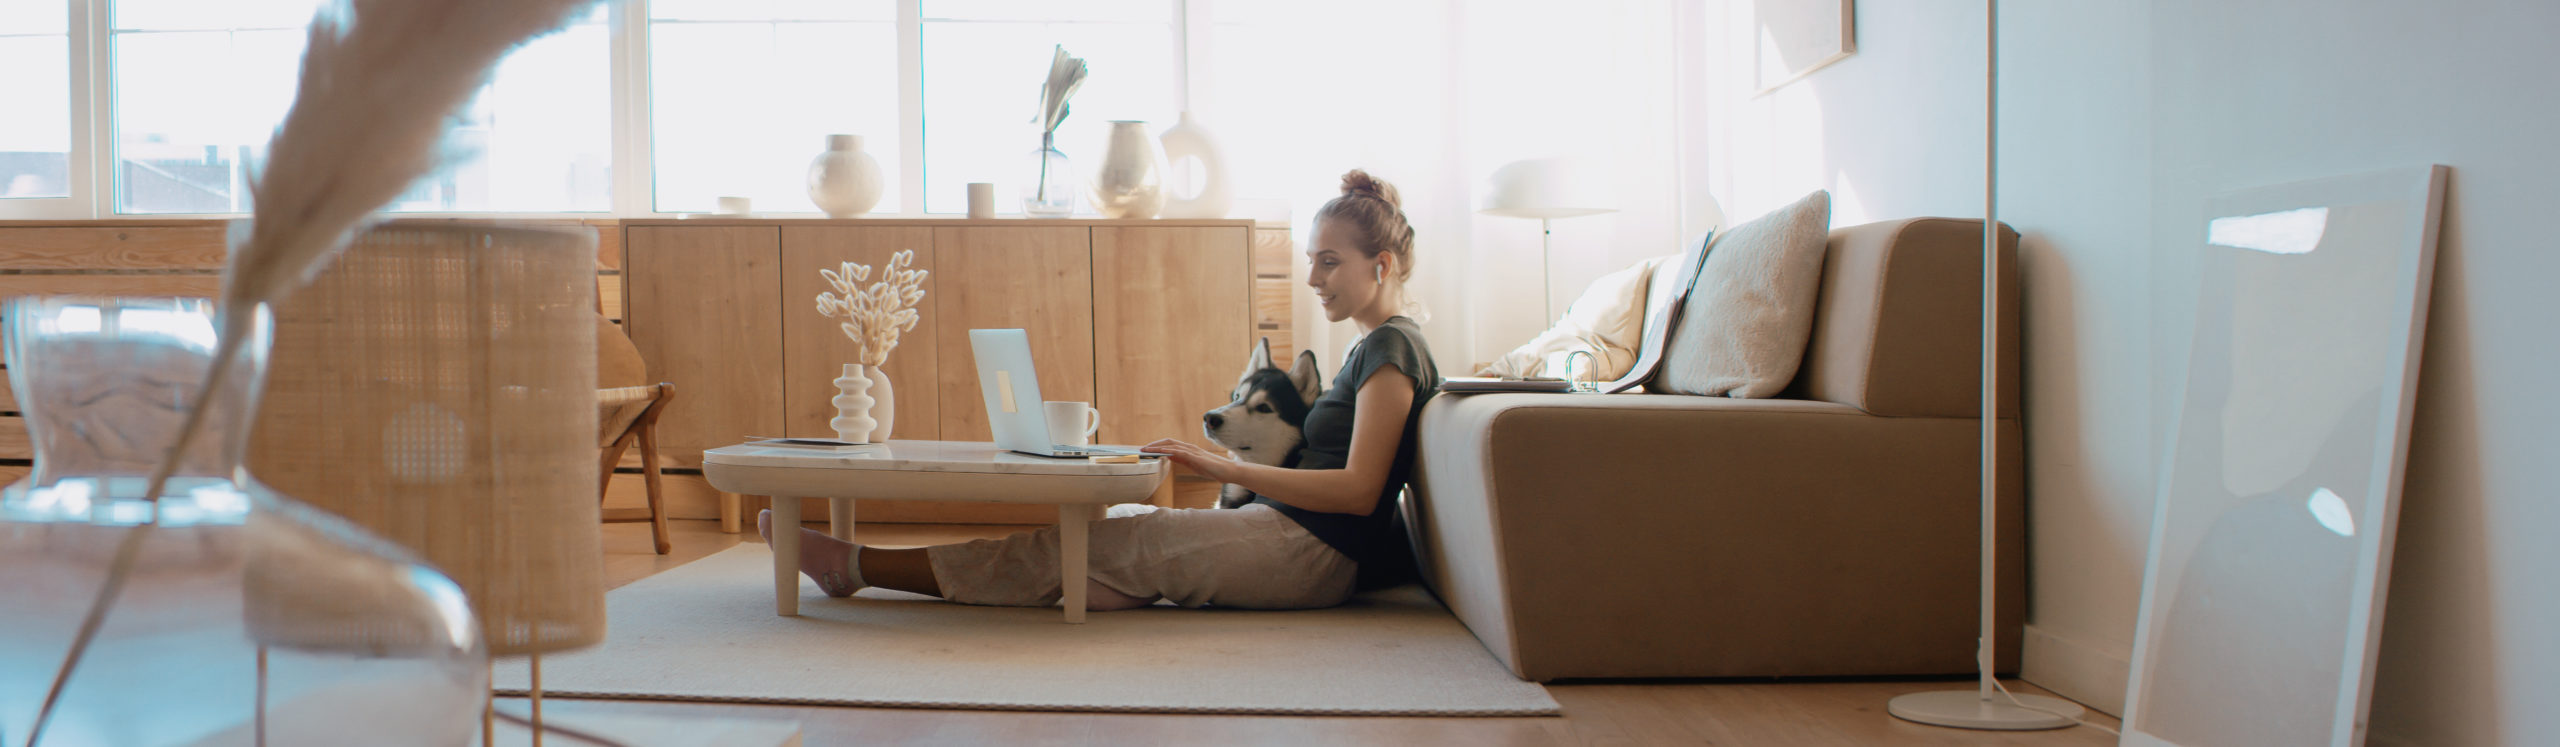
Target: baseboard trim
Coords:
[[2091, 675]]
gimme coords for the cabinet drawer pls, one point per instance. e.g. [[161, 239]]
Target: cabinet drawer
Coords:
[[1271, 302], [1272, 251]]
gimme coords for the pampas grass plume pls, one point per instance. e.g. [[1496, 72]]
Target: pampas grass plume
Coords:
[[381, 82]]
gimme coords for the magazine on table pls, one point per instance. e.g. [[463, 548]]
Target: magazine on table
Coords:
[[814, 444]]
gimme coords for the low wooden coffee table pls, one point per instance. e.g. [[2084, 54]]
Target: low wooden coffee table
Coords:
[[926, 471]]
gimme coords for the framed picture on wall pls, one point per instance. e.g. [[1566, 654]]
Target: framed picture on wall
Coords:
[[1792, 38]]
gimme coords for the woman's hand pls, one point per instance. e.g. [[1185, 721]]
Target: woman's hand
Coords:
[[1206, 463]]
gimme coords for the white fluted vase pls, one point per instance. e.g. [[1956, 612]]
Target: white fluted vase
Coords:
[[853, 421]]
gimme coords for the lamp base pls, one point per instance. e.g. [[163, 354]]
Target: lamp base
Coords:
[[1965, 709]]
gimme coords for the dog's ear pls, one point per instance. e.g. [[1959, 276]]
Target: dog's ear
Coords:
[[1303, 373], [1261, 358]]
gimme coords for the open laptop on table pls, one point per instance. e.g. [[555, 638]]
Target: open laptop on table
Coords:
[[1011, 390]]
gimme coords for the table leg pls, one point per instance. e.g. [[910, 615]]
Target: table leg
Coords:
[[786, 556], [1163, 497], [840, 518], [1073, 525]]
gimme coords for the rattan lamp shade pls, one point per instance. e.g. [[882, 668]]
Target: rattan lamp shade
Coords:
[[437, 385]]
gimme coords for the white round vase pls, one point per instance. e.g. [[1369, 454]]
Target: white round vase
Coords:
[[1130, 181], [1196, 180], [884, 402], [844, 181]]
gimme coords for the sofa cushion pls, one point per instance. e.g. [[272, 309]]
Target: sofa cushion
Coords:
[[1744, 326], [1607, 321]]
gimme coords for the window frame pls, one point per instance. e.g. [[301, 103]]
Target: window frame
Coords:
[[83, 20], [634, 171]]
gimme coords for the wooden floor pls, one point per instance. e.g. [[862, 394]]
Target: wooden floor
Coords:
[[1694, 712]]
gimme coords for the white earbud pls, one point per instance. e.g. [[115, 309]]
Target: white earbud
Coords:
[[1382, 273]]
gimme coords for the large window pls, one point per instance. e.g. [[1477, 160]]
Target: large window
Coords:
[[165, 107], [200, 87], [744, 92], [984, 61], [35, 91]]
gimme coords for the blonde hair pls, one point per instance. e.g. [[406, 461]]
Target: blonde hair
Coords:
[[1370, 205]]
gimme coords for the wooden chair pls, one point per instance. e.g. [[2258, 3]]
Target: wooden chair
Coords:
[[627, 409]]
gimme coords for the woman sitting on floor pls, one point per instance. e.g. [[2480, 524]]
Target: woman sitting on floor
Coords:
[[1310, 532]]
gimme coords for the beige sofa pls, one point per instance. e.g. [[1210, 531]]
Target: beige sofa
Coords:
[[1832, 531]]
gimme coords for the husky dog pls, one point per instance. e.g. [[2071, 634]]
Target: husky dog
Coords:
[[1265, 422]]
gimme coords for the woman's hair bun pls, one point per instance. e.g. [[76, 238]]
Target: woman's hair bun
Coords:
[[1359, 183]]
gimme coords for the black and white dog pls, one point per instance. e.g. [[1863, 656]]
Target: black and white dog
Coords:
[[1265, 424]]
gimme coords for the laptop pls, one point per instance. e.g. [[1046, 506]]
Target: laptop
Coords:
[[1011, 390]]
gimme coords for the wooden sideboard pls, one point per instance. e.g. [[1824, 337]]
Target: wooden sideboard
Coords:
[[1149, 320], [184, 257]]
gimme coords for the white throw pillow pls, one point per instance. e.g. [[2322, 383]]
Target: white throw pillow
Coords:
[[1607, 321], [1744, 328]]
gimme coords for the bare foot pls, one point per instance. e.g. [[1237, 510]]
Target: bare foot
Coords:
[[823, 558]]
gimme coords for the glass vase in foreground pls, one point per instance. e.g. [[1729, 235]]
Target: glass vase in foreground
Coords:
[[246, 617]]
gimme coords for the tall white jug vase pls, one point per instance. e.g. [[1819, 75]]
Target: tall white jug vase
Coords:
[[884, 402], [1196, 179], [844, 181], [1130, 181], [853, 406]]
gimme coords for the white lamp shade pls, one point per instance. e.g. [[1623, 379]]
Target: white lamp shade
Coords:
[[1547, 188]]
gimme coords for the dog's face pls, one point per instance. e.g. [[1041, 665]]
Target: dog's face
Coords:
[[1262, 422]]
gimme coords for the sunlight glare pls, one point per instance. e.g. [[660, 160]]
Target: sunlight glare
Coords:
[[2331, 511], [2288, 232]]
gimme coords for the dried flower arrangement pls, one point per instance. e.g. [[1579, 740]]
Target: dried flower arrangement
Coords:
[[873, 317]]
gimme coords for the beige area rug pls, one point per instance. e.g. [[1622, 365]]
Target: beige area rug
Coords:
[[707, 632]]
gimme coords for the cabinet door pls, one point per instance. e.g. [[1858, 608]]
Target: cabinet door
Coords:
[[1039, 279], [1173, 322], [814, 348], [703, 313]]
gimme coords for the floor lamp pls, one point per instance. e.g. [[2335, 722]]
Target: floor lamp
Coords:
[[436, 384], [1988, 706], [1546, 189]]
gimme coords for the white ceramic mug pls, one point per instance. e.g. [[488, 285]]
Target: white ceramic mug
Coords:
[[1071, 423], [982, 200]]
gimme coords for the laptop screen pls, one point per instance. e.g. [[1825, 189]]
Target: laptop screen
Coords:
[[1010, 388]]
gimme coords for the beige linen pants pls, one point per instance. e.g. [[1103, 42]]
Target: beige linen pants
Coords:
[[1250, 558]]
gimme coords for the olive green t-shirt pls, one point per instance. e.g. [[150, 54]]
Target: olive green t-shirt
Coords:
[[1376, 541]]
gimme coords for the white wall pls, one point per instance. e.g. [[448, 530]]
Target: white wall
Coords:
[[2119, 118], [2075, 179], [1893, 131]]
